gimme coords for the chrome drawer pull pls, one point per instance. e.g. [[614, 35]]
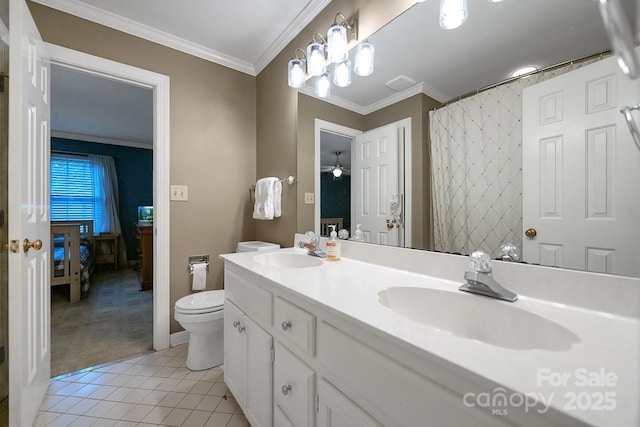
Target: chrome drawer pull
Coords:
[[286, 389], [286, 325]]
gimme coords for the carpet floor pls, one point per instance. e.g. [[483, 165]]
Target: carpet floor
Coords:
[[114, 321]]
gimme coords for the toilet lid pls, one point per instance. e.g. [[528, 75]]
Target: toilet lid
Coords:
[[201, 302]]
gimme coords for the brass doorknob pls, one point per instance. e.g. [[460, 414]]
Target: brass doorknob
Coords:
[[36, 244], [531, 233]]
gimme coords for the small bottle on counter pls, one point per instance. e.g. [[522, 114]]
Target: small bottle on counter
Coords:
[[333, 245]]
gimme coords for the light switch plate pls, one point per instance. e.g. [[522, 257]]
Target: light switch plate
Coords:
[[309, 198], [180, 193]]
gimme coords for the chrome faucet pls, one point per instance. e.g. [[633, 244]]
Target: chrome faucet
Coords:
[[312, 244], [480, 281]]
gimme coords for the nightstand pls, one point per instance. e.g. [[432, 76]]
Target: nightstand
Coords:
[[105, 249]]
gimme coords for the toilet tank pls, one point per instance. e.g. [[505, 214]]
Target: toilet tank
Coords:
[[256, 246]]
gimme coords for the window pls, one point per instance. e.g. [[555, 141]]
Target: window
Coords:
[[74, 194]]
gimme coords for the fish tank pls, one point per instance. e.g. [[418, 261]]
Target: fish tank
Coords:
[[145, 215]]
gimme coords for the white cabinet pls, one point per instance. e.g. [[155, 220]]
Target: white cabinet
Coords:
[[294, 387], [337, 410], [248, 365]]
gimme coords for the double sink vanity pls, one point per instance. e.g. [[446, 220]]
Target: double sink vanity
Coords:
[[385, 337]]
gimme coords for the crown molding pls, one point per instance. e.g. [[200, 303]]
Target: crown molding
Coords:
[[101, 140], [335, 100], [378, 105], [291, 32], [120, 23]]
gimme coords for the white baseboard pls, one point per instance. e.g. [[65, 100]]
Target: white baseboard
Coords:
[[178, 338]]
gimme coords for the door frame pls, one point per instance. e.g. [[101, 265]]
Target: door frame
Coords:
[[159, 83], [324, 126], [403, 128]]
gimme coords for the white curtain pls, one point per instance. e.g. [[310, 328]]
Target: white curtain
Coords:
[[476, 155], [106, 184]]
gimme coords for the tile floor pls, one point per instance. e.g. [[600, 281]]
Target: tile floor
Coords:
[[155, 389]]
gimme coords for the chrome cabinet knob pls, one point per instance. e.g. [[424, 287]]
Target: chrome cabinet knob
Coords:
[[286, 389], [236, 323], [286, 325], [240, 328]]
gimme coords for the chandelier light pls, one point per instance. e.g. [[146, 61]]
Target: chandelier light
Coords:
[[334, 50]]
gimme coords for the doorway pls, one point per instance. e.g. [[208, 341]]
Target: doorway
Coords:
[[159, 84]]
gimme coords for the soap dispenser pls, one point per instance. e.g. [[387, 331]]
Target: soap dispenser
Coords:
[[357, 235], [333, 245]]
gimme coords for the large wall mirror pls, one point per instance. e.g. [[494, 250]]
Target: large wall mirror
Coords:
[[468, 117]]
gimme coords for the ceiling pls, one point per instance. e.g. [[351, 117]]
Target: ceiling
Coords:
[[247, 34]]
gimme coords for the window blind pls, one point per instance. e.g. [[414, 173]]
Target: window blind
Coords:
[[73, 190]]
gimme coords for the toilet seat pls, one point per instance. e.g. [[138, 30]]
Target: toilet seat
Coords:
[[201, 302]]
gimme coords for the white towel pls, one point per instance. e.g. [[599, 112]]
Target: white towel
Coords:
[[268, 198]]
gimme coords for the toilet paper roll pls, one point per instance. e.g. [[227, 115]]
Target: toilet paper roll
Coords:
[[199, 276]]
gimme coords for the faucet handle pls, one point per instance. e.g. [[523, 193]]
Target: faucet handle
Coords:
[[480, 262], [509, 252]]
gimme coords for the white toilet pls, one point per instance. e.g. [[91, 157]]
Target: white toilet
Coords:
[[202, 314]]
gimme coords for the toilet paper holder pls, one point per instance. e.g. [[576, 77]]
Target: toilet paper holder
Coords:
[[198, 259]]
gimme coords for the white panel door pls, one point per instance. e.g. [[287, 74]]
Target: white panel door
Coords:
[[258, 378], [374, 177], [581, 172], [29, 316]]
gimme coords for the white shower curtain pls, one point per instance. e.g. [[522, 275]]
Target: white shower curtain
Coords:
[[476, 163], [106, 184]]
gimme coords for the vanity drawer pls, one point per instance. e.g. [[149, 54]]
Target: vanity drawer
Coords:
[[295, 325], [294, 387], [252, 299]]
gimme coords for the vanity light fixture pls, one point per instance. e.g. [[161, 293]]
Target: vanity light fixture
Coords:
[[297, 73], [453, 13], [316, 56], [335, 49], [364, 59], [323, 86]]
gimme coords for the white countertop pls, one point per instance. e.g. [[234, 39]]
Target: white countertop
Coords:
[[607, 345]]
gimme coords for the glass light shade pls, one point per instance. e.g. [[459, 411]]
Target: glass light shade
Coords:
[[453, 13], [337, 172], [315, 59], [364, 59], [342, 74], [296, 73], [323, 86], [337, 43]]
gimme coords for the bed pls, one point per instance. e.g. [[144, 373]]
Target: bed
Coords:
[[72, 260]]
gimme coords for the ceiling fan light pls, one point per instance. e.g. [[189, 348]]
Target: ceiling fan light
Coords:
[[453, 13], [364, 59], [323, 86], [342, 74], [315, 58], [296, 73], [337, 48], [337, 172]]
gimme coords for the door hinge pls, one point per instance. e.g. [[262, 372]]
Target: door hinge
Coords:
[[2, 76], [317, 402], [273, 354], [2, 356]]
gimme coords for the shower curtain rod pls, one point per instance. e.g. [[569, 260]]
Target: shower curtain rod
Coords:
[[513, 79]]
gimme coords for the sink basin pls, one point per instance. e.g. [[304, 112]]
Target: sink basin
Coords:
[[287, 260], [480, 318]]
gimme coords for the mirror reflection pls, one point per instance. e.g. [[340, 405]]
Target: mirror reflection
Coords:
[[474, 185]]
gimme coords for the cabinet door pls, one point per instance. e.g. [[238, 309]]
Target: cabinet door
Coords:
[[336, 410], [258, 369], [294, 387], [233, 349]]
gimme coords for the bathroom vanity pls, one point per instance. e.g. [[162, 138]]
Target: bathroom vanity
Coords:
[[384, 337]]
